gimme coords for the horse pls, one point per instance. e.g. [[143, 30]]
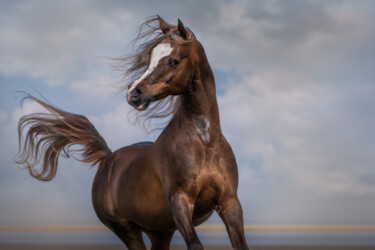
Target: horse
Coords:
[[174, 183]]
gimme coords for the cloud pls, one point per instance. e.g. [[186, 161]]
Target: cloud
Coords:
[[96, 86], [25, 199], [117, 128], [295, 141], [53, 202], [55, 41], [3, 116], [330, 40], [296, 99]]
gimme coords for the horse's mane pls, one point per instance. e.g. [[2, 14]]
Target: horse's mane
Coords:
[[132, 66]]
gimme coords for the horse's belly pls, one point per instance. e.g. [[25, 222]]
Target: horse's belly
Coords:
[[149, 209], [154, 218], [142, 201]]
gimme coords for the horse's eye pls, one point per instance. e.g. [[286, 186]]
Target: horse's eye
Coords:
[[174, 62]]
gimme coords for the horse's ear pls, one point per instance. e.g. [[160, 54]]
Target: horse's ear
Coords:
[[164, 26], [181, 29]]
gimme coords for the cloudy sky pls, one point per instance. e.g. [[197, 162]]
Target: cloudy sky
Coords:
[[296, 92]]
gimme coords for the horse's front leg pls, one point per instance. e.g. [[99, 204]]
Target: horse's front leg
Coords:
[[230, 211], [181, 209]]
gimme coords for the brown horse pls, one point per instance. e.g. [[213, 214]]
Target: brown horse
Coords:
[[173, 183]]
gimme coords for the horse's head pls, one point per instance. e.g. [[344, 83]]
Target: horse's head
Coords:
[[170, 66]]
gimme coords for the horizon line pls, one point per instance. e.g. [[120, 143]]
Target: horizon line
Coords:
[[213, 227]]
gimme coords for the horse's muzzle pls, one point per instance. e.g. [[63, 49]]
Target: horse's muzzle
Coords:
[[137, 100]]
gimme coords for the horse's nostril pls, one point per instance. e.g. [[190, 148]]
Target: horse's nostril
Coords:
[[135, 92]]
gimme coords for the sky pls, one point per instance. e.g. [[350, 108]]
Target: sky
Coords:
[[295, 87]]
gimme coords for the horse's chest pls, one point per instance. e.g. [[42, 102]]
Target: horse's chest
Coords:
[[195, 165], [197, 168]]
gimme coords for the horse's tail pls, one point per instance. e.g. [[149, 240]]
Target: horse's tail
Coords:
[[51, 134]]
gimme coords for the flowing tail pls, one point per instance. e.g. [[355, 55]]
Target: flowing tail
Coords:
[[51, 134]]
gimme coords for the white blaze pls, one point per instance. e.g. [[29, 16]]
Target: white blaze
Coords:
[[160, 51]]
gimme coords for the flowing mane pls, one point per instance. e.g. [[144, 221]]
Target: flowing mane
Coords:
[[132, 66]]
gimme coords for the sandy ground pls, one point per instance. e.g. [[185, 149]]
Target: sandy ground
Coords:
[[119, 247]]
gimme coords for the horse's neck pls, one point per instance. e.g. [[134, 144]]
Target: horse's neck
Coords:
[[199, 105], [200, 100]]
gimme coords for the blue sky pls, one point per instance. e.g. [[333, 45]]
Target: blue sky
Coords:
[[296, 92]]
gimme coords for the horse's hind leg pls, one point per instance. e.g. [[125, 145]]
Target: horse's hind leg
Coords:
[[160, 240], [129, 233]]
